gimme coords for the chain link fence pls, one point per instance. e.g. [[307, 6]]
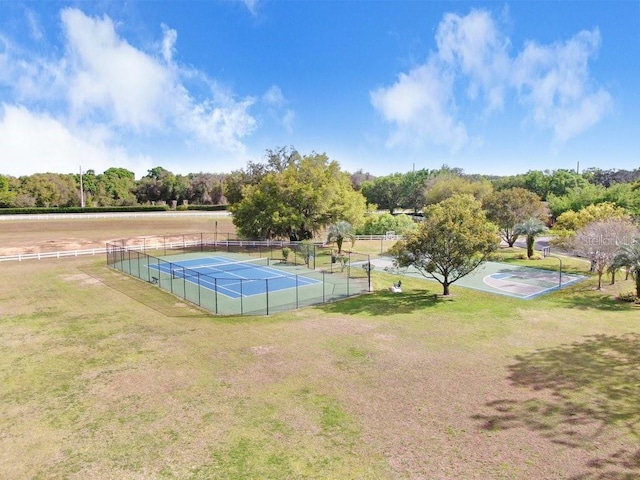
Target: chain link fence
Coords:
[[299, 273]]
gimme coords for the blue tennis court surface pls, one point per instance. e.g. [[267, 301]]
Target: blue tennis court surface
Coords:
[[232, 278]]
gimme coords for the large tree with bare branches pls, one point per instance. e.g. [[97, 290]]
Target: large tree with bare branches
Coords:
[[601, 241]]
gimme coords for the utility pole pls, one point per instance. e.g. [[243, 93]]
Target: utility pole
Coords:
[[81, 190]]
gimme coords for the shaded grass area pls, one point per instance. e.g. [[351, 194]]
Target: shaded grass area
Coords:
[[592, 389], [103, 376], [517, 256]]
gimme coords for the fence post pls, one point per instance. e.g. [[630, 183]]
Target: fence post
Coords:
[[199, 300], [348, 272], [215, 284]]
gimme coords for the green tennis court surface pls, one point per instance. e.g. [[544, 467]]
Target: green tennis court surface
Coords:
[[236, 283], [504, 279]]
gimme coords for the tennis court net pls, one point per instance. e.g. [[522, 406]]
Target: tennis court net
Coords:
[[214, 269]]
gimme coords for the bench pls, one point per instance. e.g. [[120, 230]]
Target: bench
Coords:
[[154, 280]]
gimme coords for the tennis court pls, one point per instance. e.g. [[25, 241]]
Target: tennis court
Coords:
[[232, 278], [238, 282]]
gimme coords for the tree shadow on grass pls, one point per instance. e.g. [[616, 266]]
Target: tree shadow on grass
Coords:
[[384, 303], [582, 300], [582, 392]]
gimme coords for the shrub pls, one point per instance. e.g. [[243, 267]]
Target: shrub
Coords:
[[629, 296], [379, 224]]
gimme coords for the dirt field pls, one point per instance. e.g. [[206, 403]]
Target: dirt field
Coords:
[[29, 236]]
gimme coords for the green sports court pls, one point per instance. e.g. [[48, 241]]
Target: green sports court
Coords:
[[502, 278]]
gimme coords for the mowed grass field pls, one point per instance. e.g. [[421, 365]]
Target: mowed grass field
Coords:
[[107, 377]]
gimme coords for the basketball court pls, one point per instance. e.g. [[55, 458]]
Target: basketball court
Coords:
[[501, 278]]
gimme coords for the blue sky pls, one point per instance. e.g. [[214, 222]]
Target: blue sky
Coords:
[[489, 87]]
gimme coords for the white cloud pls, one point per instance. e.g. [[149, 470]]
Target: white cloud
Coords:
[[103, 88], [288, 120], [252, 6], [135, 89], [274, 96], [475, 46], [218, 125], [276, 103], [419, 104], [29, 79], [169, 38], [36, 143], [34, 25], [552, 81], [110, 76]]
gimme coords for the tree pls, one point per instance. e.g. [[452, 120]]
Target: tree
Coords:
[[600, 241], [339, 231], [444, 185], [507, 208], [238, 179], [116, 187], [607, 178], [531, 228], [454, 239], [89, 186], [157, 185], [414, 187], [298, 202], [385, 192], [576, 199], [7, 193], [573, 221], [629, 256], [625, 195], [50, 189], [205, 188], [276, 161], [563, 180], [379, 224], [359, 177], [537, 182]]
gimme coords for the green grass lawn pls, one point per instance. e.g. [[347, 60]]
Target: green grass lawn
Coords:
[[104, 376]]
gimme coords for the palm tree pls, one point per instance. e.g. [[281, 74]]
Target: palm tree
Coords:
[[339, 231], [530, 228], [629, 256]]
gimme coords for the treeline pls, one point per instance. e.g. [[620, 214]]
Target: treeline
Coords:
[[114, 187], [561, 190]]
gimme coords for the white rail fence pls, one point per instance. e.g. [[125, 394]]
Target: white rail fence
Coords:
[[106, 215], [170, 246]]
